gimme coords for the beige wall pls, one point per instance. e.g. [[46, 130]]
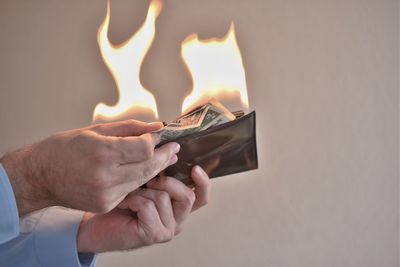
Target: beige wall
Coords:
[[323, 77]]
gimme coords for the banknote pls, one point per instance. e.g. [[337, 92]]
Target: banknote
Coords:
[[198, 119]]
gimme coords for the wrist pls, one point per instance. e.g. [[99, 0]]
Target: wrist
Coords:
[[24, 174], [83, 240]]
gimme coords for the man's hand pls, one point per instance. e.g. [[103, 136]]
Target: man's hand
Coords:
[[90, 169], [147, 216]]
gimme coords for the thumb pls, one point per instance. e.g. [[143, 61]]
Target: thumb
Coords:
[[126, 128]]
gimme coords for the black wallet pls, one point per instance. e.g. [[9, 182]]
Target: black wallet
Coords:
[[224, 149]]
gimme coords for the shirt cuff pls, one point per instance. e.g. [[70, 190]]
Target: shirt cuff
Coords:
[[9, 221], [55, 239]]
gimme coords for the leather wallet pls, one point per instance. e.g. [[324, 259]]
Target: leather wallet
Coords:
[[221, 150]]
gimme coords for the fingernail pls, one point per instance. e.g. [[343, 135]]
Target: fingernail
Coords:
[[199, 171], [176, 148]]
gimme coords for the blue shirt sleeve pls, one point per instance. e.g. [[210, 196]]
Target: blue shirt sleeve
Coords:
[[9, 222], [43, 238]]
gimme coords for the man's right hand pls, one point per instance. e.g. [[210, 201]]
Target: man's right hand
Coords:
[[90, 169]]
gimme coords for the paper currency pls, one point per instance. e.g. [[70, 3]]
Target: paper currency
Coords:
[[198, 119]]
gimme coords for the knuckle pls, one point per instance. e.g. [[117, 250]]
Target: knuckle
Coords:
[[153, 237], [101, 154], [149, 239], [146, 148], [163, 198], [95, 148], [148, 204], [82, 139], [159, 236], [190, 197], [96, 127], [149, 170], [164, 236], [122, 153]]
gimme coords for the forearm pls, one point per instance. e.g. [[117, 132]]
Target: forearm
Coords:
[[23, 172]]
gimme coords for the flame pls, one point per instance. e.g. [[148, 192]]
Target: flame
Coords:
[[216, 67], [124, 62]]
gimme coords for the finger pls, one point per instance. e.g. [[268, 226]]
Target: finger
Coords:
[[135, 148], [182, 196], [126, 128], [148, 219], [140, 173], [164, 156], [146, 210], [162, 201], [201, 187]]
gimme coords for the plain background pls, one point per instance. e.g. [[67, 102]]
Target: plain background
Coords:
[[323, 77]]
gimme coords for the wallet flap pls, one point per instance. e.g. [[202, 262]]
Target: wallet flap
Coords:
[[224, 149]]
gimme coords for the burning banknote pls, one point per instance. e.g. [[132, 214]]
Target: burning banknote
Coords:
[[201, 118]]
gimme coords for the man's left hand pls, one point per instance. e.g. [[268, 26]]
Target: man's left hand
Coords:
[[147, 216]]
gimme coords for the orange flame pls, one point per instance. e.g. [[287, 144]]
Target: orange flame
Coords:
[[216, 67], [124, 62]]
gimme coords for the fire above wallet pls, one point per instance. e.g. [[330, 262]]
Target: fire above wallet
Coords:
[[224, 149]]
